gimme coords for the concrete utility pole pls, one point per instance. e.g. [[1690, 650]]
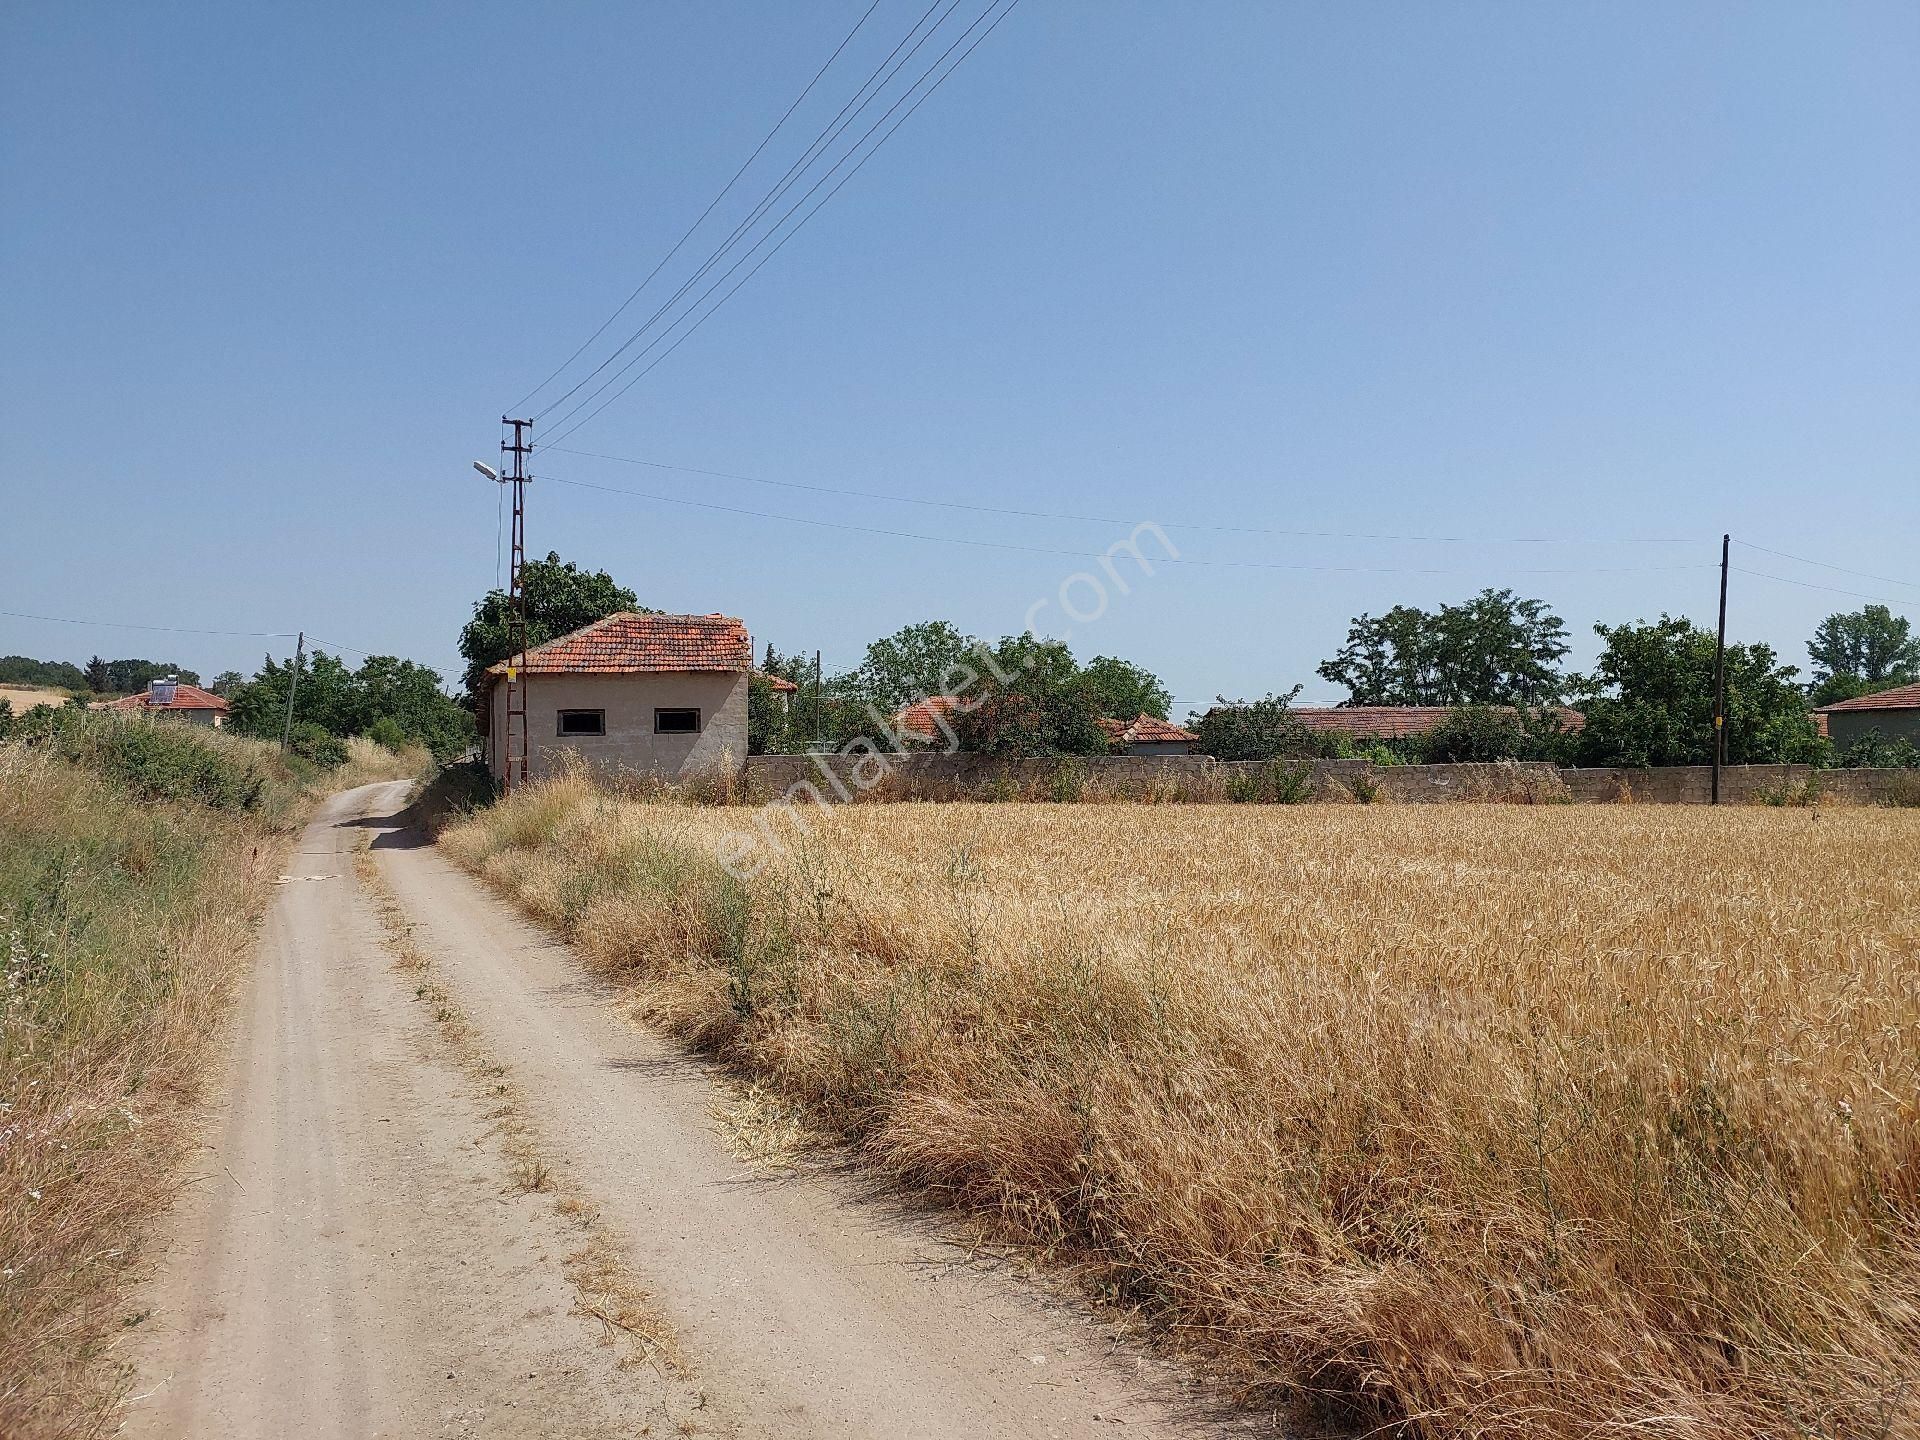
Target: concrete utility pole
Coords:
[[293, 686], [515, 770], [1720, 676]]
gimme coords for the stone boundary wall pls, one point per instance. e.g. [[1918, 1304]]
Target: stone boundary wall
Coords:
[[1199, 778]]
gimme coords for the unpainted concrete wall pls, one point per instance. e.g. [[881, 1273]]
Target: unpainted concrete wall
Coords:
[[629, 748]]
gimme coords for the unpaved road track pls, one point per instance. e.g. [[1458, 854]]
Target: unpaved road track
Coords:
[[353, 1261]]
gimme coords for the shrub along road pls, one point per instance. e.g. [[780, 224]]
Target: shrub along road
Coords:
[[434, 1171]]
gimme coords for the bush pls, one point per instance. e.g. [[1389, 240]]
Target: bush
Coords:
[[313, 743], [1264, 729], [153, 760], [1275, 783], [1487, 734], [1874, 751], [386, 731]]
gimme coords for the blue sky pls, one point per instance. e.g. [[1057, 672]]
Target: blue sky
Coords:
[[1596, 273]]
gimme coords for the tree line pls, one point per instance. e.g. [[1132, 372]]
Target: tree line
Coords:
[[1495, 660]]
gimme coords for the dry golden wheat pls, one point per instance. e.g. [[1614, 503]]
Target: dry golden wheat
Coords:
[[1500, 1120]]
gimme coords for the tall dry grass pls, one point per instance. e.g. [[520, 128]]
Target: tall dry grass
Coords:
[[1498, 1121], [135, 861]]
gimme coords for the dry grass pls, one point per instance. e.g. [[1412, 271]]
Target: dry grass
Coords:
[[124, 929], [1497, 1120], [132, 877]]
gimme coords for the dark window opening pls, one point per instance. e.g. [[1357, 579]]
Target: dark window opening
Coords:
[[676, 722], [583, 722]]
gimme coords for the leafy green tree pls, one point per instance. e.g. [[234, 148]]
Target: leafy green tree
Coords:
[[1124, 690], [912, 663], [1650, 701], [387, 695], [1031, 699], [1265, 729], [560, 598], [768, 720], [129, 677], [1859, 652], [1494, 649], [56, 674], [226, 683], [1484, 734]]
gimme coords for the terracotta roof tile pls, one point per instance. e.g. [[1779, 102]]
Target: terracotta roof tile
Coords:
[[780, 684], [1152, 729], [185, 697], [1904, 697], [922, 718], [1145, 730], [628, 644]]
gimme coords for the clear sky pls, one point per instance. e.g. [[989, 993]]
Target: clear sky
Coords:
[[272, 273]]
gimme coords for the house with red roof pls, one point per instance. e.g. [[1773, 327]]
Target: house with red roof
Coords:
[[1894, 713], [1148, 735], [928, 721], [630, 694], [171, 699]]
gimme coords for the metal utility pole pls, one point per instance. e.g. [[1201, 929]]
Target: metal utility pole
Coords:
[[1720, 675], [515, 769], [293, 686]]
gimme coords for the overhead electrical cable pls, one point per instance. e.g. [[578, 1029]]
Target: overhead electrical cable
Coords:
[[190, 630], [831, 131], [1811, 585], [765, 140], [1823, 565], [1092, 554], [1123, 520], [163, 629], [801, 224]]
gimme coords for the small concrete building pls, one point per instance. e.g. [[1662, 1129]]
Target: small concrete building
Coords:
[[1894, 713], [172, 699], [631, 695]]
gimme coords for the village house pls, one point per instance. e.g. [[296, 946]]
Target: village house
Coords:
[[172, 700], [1894, 713], [661, 695], [1148, 735]]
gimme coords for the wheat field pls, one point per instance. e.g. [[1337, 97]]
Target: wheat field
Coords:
[[1492, 1120]]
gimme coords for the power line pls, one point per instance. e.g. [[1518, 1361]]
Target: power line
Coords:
[[828, 133], [1810, 585], [1822, 564], [1091, 554], [724, 191], [186, 630], [1121, 520], [861, 164], [165, 629]]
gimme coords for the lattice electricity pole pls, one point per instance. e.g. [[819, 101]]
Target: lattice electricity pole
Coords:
[[516, 738]]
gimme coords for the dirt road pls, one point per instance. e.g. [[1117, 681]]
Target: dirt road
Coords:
[[354, 1259]]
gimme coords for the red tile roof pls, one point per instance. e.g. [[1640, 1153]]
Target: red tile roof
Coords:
[[783, 686], [185, 697], [1145, 730], [628, 644], [922, 718], [1904, 697], [1396, 722]]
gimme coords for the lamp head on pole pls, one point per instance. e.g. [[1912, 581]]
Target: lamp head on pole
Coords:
[[487, 470]]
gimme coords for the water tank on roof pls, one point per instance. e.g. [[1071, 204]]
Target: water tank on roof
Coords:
[[161, 692]]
